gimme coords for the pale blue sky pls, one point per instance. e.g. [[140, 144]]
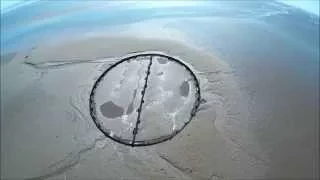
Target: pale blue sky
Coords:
[[307, 5]]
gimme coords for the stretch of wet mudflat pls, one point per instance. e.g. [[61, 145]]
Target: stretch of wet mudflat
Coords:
[[258, 72]]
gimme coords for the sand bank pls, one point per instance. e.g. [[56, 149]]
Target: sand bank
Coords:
[[47, 131]]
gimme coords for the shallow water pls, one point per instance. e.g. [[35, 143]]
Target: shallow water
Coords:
[[111, 110], [184, 88]]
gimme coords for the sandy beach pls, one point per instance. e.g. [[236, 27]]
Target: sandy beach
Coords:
[[50, 108], [258, 73]]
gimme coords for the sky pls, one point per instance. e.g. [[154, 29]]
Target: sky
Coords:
[[311, 6]]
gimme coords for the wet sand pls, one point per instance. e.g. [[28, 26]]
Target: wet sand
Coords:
[[47, 131]]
